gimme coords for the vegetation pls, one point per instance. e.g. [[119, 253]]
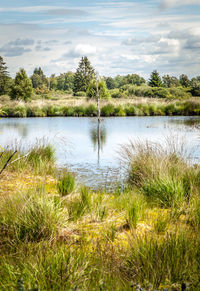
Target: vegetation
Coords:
[[81, 83], [83, 75], [144, 235], [109, 107], [22, 87]]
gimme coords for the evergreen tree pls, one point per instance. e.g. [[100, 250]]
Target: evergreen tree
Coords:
[[155, 80], [22, 87], [83, 75], [4, 79]]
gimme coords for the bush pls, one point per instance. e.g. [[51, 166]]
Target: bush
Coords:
[[159, 92], [115, 93], [66, 184], [179, 92]]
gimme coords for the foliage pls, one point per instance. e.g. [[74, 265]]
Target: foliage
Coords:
[[4, 78], [184, 80], [170, 81], [102, 90], [22, 87], [195, 88], [84, 74], [39, 80], [155, 80]]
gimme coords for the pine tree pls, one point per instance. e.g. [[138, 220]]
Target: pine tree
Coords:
[[83, 75], [22, 88], [3, 77], [155, 80]]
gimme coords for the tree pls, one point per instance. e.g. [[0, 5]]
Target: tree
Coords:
[[195, 88], [92, 89], [83, 75], [39, 80], [135, 79], [155, 80], [169, 81], [184, 80], [4, 78], [22, 87]]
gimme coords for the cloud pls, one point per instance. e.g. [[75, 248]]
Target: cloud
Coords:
[[80, 50], [41, 48], [16, 47], [13, 51], [23, 42], [67, 12], [172, 3]]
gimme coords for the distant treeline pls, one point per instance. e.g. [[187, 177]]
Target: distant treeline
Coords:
[[83, 83]]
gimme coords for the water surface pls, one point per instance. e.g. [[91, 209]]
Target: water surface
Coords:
[[76, 140]]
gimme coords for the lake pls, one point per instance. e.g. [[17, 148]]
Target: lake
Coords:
[[76, 140]]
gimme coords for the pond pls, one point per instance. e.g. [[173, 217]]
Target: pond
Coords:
[[76, 140]]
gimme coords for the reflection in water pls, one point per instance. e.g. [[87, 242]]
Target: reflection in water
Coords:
[[21, 128], [98, 136], [193, 122]]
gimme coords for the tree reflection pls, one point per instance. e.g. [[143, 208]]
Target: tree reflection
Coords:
[[98, 137]]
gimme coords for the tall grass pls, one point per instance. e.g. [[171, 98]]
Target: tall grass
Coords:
[[30, 217], [139, 108], [174, 259], [66, 184], [161, 173], [40, 159]]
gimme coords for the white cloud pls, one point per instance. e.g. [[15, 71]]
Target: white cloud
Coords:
[[173, 3]]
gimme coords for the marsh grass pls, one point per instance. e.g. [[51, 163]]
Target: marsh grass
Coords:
[[174, 258], [79, 107], [143, 235], [30, 217], [79, 205], [161, 173], [66, 184]]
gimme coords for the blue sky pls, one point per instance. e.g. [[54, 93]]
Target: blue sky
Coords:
[[119, 37]]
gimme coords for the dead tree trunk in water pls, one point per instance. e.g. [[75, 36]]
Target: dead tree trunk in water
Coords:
[[98, 118]]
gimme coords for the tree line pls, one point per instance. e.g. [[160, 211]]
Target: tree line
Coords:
[[83, 82]]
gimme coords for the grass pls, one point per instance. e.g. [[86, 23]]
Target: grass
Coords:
[[144, 235], [68, 105], [66, 184]]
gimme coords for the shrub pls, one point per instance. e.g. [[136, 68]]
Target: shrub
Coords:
[[159, 92], [115, 93], [66, 184]]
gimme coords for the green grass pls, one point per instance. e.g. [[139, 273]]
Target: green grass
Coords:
[[139, 108], [66, 184], [144, 234]]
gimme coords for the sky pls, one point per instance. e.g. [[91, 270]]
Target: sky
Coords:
[[118, 37]]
